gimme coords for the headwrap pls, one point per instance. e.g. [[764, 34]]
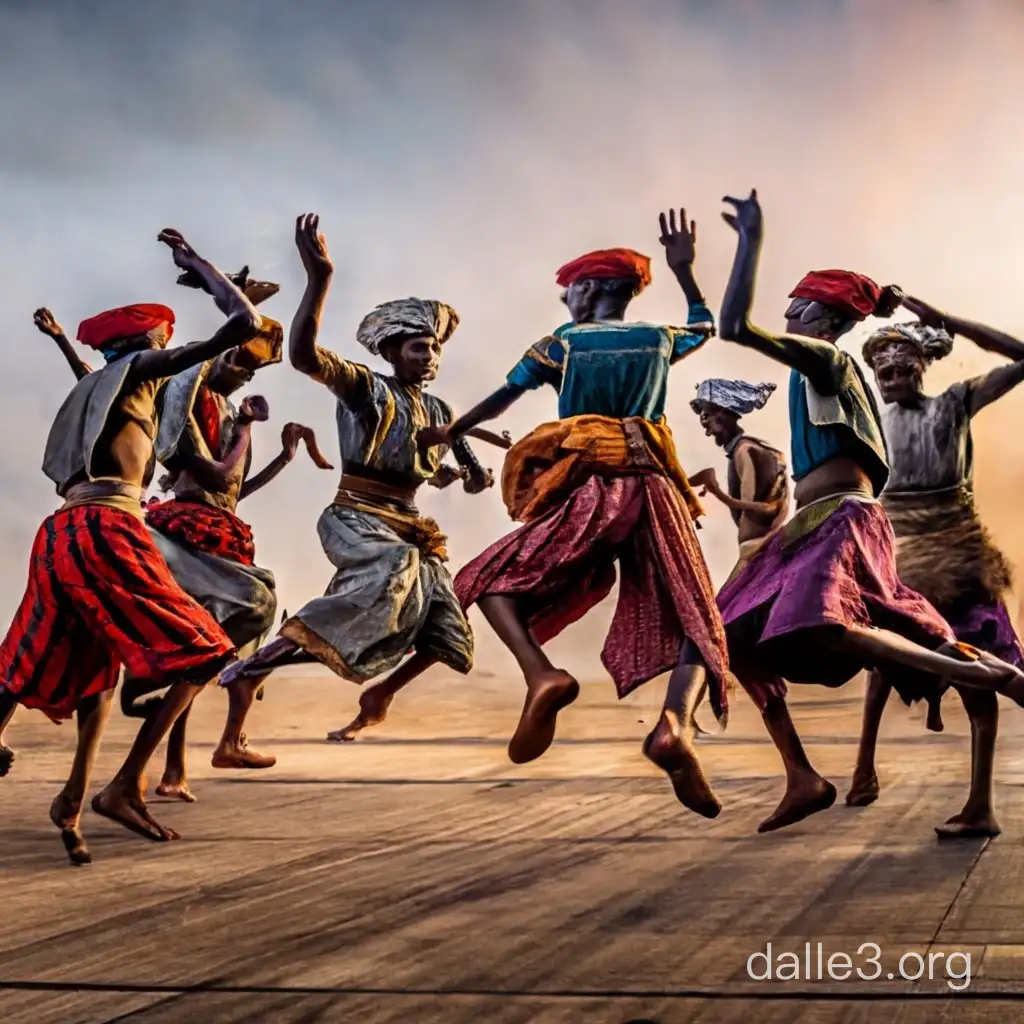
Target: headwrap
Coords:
[[607, 265], [736, 396], [854, 294], [100, 331], [406, 318], [906, 344]]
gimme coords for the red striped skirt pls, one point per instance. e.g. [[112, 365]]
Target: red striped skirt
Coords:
[[212, 530], [100, 595]]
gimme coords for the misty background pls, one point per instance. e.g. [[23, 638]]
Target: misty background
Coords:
[[463, 151]]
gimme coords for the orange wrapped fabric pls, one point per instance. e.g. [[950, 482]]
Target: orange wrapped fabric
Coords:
[[547, 465]]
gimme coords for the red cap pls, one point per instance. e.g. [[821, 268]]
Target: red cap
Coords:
[[853, 293], [124, 322], [607, 264]]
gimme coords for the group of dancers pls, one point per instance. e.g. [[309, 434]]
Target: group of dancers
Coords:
[[884, 565]]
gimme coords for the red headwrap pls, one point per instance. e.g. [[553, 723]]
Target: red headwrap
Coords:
[[607, 264], [852, 293], [104, 328]]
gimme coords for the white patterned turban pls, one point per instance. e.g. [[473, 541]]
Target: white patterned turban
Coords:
[[406, 318], [736, 396]]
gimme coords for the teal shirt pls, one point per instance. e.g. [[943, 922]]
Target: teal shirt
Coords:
[[859, 438], [611, 368]]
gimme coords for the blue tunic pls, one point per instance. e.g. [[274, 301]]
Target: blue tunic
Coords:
[[847, 426], [611, 368]]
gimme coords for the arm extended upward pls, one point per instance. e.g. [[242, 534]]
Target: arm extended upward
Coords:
[[47, 323], [242, 324], [808, 356]]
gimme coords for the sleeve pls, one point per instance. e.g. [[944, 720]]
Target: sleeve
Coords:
[[700, 325], [542, 364], [959, 394], [345, 380]]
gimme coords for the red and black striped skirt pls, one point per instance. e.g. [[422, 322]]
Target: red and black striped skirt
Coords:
[[100, 595]]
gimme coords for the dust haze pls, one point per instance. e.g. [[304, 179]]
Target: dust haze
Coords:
[[464, 151]]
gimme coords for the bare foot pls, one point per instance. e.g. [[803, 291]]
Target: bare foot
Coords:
[[970, 824], [176, 788], [373, 709], [535, 732], [240, 756], [66, 816], [864, 789], [6, 759], [670, 749], [808, 796], [128, 809]]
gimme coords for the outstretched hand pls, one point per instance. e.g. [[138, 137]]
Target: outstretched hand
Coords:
[[46, 322], [747, 218], [705, 482], [447, 475], [184, 255], [680, 241], [928, 315], [312, 247], [292, 434], [477, 483]]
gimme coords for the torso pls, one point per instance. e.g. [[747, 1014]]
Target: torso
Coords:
[[608, 368], [379, 432], [930, 446], [186, 488], [124, 450], [768, 485], [832, 459]]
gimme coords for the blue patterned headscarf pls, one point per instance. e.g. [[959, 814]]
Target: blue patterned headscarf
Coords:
[[736, 396]]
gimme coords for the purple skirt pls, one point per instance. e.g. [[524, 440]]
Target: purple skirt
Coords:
[[830, 568]]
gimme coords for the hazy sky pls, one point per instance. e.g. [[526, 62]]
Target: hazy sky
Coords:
[[464, 151]]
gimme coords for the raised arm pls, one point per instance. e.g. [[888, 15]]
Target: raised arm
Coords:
[[302, 348], [680, 244], [991, 386], [47, 323], [809, 356], [243, 322], [290, 437]]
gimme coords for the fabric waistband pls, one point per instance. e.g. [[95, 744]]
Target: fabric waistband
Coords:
[[364, 488], [109, 493]]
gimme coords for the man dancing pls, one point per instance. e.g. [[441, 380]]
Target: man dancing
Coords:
[[209, 550], [99, 593], [391, 593], [821, 600], [758, 487], [601, 485], [942, 549]]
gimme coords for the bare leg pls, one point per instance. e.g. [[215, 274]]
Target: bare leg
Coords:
[[806, 791], [978, 669], [670, 744], [8, 705], [548, 689], [233, 750], [122, 799], [174, 783], [864, 788], [977, 819], [375, 701], [66, 809]]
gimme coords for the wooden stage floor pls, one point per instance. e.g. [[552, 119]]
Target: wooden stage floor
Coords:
[[419, 876]]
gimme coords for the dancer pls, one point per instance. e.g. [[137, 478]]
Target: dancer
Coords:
[[391, 594], [99, 593], [601, 485], [942, 549], [821, 600], [758, 487], [209, 550]]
